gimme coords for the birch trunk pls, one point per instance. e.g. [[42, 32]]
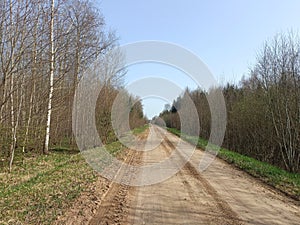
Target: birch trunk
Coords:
[[11, 96], [51, 74]]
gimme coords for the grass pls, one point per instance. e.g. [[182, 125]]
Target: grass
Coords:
[[140, 129], [286, 182], [42, 187], [38, 191]]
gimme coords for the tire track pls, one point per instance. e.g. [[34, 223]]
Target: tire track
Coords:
[[222, 205], [115, 202]]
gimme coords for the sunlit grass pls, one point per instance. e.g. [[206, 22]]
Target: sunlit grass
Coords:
[[140, 129], [38, 191], [42, 187]]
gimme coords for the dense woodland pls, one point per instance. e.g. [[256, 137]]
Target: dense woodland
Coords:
[[45, 46], [263, 111]]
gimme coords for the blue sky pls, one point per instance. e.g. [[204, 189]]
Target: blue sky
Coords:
[[225, 35]]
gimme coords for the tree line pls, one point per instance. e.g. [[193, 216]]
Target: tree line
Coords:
[[45, 46], [263, 111]]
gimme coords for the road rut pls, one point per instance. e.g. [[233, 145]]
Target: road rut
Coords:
[[220, 195]]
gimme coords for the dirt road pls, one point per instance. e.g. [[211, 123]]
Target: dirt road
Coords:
[[220, 195]]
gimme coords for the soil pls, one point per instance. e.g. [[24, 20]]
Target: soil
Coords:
[[221, 194]]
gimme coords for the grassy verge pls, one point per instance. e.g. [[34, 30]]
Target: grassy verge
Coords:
[[42, 187], [140, 129], [288, 183]]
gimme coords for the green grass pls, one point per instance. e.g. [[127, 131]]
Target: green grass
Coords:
[[284, 181], [38, 191], [141, 129], [42, 187]]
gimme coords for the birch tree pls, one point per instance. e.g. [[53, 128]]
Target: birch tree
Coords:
[[44, 47], [51, 77]]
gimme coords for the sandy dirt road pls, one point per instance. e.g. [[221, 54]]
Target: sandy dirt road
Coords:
[[220, 195]]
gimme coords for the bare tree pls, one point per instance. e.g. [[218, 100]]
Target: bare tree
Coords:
[[51, 77], [45, 45], [278, 73]]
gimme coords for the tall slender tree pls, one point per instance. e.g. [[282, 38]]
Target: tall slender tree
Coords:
[[51, 77]]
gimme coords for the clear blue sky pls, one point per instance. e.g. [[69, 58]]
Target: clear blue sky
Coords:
[[226, 35]]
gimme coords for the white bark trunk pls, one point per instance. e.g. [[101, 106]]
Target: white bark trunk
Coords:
[[11, 96], [46, 148]]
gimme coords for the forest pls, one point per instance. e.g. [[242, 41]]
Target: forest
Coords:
[[76, 146], [263, 110], [45, 47]]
